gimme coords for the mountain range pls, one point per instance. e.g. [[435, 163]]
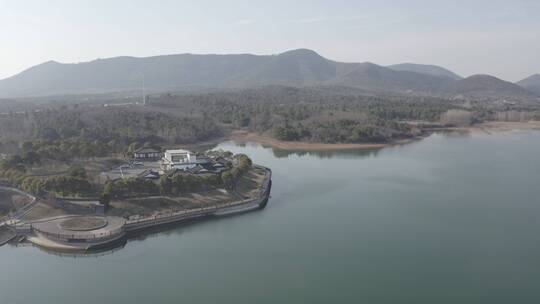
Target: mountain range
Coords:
[[300, 67], [425, 69], [531, 83]]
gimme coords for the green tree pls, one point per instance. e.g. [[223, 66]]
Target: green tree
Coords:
[[227, 179], [105, 200], [78, 172]]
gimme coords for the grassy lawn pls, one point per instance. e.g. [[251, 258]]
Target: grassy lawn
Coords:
[[150, 206], [42, 210], [250, 183]]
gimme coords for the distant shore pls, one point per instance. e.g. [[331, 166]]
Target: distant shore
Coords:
[[244, 136], [486, 127], [504, 126]]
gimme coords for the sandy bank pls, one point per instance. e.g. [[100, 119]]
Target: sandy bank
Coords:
[[486, 128], [243, 136], [504, 126], [491, 127]]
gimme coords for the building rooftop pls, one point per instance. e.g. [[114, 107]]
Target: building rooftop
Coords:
[[179, 151], [150, 174]]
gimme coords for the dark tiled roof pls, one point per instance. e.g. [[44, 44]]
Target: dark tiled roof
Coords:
[[148, 174], [202, 159], [195, 169], [208, 166]]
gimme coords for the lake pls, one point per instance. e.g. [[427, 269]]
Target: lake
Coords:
[[448, 219]]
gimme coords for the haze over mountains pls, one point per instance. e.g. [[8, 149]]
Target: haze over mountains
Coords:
[[300, 67], [531, 83], [425, 69], [486, 86]]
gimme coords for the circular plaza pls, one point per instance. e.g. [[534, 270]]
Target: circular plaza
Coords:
[[78, 233]]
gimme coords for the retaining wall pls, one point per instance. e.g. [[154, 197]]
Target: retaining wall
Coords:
[[230, 208]]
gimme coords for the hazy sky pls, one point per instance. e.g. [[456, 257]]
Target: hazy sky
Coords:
[[501, 38]]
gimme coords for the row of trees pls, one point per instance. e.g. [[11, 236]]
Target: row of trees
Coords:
[[14, 171], [66, 149], [342, 131], [152, 126], [194, 117], [75, 183], [177, 183], [184, 182], [99, 131], [312, 114], [65, 186], [129, 187], [242, 163]]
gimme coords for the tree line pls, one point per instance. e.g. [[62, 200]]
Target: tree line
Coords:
[[177, 182], [318, 114], [74, 184]]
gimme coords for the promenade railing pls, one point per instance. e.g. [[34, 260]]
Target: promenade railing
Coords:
[[81, 236], [176, 215]]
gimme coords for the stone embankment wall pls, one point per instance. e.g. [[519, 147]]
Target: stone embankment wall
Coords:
[[83, 241], [179, 216]]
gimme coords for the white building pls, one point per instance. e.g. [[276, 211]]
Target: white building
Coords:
[[178, 159]]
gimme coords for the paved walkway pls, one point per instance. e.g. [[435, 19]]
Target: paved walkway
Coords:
[[54, 227]]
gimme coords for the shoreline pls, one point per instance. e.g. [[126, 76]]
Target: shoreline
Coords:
[[47, 233], [244, 137], [488, 127]]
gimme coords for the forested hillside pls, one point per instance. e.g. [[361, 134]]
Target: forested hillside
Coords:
[[316, 114]]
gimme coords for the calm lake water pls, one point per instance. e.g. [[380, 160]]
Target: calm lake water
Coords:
[[449, 219]]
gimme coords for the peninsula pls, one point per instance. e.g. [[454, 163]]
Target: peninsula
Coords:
[[85, 205]]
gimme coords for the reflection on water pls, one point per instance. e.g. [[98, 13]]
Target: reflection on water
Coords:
[[321, 154], [449, 219], [455, 133], [89, 254]]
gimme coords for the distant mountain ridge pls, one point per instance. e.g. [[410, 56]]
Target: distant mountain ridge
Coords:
[[301, 67], [486, 86], [531, 83], [425, 69]]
